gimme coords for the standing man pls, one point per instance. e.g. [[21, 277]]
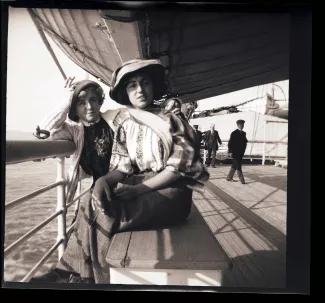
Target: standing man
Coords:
[[236, 149], [199, 136], [211, 139]]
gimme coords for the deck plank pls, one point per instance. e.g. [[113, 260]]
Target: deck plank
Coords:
[[237, 244], [117, 249], [249, 221]]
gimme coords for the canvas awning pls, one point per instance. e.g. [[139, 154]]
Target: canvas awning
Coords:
[[206, 54]]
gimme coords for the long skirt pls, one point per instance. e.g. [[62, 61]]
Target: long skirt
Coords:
[[88, 245]]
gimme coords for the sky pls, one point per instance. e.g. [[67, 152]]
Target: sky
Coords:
[[35, 84]]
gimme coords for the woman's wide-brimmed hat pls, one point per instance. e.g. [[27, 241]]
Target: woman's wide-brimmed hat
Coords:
[[77, 88], [152, 67]]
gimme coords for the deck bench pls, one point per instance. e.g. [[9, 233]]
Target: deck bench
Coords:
[[186, 254]]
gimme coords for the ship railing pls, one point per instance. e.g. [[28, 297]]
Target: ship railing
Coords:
[[264, 152], [23, 151]]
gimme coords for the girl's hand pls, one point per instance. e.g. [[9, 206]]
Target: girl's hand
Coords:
[[96, 203], [176, 111], [127, 192], [69, 87]]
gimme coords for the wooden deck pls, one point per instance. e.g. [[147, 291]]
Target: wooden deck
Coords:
[[249, 222]]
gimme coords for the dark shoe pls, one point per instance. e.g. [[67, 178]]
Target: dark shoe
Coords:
[[231, 180], [241, 177], [231, 173], [243, 182], [53, 276], [77, 279]]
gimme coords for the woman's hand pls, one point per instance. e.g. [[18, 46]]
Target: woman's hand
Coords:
[[97, 204], [101, 194], [127, 192], [176, 111], [69, 87]]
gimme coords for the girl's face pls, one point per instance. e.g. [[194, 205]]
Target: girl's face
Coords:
[[139, 89], [88, 106]]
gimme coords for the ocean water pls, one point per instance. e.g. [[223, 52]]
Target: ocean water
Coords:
[[21, 179]]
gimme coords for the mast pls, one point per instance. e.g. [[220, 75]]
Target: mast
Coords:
[[47, 44]]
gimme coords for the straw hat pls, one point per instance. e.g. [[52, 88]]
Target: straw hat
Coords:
[[152, 67]]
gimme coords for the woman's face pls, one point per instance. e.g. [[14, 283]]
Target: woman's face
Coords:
[[140, 91], [88, 106]]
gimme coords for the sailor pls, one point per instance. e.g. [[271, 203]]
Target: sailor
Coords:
[[236, 148], [199, 136]]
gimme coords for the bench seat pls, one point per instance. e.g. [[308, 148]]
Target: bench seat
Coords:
[[186, 254]]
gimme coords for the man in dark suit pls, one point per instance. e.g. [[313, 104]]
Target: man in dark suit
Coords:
[[236, 149], [198, 135], [211, 139]]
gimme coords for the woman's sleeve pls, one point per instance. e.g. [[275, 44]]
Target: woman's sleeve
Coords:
[[56, 123], [120, 159], [185, 158]]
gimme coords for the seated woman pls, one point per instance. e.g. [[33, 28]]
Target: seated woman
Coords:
[[80, 120], [152, 168]]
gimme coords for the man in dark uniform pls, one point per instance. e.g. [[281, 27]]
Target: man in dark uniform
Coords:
[[236, 149], [211, 139], [199, 136]]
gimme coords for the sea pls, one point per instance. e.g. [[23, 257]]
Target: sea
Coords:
[[22, 179]]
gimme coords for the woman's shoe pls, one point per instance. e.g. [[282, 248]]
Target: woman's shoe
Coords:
[[53, 276]]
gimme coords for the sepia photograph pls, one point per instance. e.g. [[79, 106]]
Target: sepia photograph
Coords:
[[147, 147]]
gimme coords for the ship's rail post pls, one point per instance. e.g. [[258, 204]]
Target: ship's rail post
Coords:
[[264, 143], [18, 151], [61, 205]]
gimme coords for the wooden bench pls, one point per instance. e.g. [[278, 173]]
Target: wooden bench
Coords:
[[187, 254]]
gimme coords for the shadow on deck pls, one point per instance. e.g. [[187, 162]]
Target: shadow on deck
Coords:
[[249, 221]]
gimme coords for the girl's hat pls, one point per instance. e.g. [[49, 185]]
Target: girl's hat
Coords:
[[152, 67]]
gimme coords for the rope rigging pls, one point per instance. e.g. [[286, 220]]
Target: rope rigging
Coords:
[[50, 31]]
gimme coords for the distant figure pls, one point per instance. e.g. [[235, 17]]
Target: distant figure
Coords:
[[199, 136], [174, 105], [236, 149], [211, 139]]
